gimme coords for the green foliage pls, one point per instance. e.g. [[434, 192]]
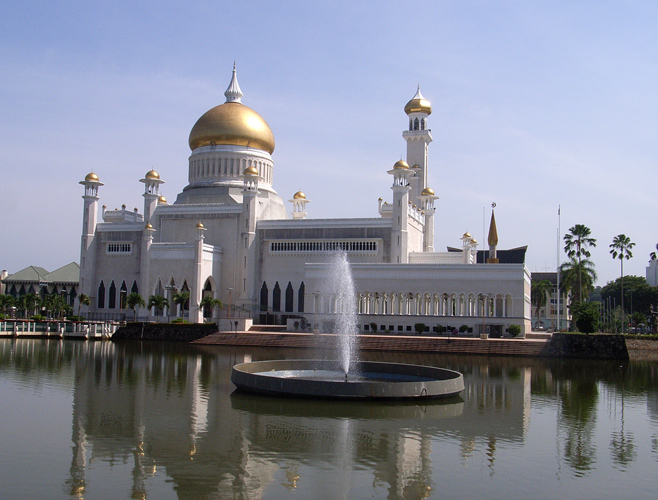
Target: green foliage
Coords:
[[6, 301], [439, 329], [134, 300], [576, 243], [74, 318], [463, 328], [304, 324], [576, 277], [37, 317], [373, 327], [179, 321], [586, 316], [207, 303], [538, 293], [643, 295], [514, 330], [419, 327], [182, 299]]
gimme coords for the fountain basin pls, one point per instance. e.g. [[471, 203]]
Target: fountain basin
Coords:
[[304, 378]]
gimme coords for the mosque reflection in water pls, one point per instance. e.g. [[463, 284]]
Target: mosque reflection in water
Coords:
[[171, 409]]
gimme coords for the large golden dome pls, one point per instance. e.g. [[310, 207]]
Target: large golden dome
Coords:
[[232, 123]]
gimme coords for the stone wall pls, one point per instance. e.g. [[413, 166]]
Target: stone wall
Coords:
[[182, 332], [566, 345]]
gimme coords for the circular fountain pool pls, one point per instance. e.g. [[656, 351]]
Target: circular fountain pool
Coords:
[[366, 380]]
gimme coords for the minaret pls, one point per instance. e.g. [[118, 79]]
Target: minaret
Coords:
[[151, 193], [418, 138], [233, 92], [145, 264], [426, 202], [299, 202], [196, 314], [246, 292], [492, 239], [400, 233], [88, 244]]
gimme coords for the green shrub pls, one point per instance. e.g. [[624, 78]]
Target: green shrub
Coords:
[[420, 328], [586, 316], [463, 328], [439, 329], [37, 317], [514, 330], [373, 327]]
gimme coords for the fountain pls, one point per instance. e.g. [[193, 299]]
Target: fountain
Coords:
[[347, 377]]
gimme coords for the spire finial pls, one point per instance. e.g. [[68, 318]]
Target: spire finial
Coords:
[[233, 92]]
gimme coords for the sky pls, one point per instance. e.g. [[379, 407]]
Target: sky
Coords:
[[535, 106]]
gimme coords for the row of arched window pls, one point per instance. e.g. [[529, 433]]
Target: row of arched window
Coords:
[[228, 167], [108, 298], [417, 124], [275, 305]]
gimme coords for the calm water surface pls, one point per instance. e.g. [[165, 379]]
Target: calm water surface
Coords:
[[105, 421]]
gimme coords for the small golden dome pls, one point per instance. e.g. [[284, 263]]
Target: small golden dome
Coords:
[[299, 196], [92, 177], [466, 235], [250, 171], [148, 226], [162, 200], [474, 241], [427, 192], [401, 165], [152, 174], [416, 166], [199, 226], [232, 123], [418, 104]]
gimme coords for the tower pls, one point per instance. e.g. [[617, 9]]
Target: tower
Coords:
[[151, 193], [492, 239], [400, 234], [418, 137], [89, 221], [299, 202], [246, 294]]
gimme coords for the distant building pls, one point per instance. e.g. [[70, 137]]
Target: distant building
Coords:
[[229, 236], [548, 314], [39, 281], [652, 272]]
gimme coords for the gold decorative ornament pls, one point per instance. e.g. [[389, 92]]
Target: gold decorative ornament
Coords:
[[152, 174], [401, 165]]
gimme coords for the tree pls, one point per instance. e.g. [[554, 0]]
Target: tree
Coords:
[[83, 300], [586, 316], [134, 300], [7, 301], [28, 304], [538, 292], [181, 299], [207, 303], [576, 243], [54, 303], [620, 248], [653, 255], [636, 289], [577, 278], [157, 302]]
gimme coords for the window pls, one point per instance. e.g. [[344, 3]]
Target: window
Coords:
[[101, 296], [263, 297], [119, 248], [300, 297], [276, 298], [112, 299], [290, 294]]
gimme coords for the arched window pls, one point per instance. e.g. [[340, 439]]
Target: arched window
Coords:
[[134, 288], [290, 295], [101, 295], [411, 124], [276, 298], [263, 297], [422, 124], [416, 124], [112, 299], [123, 293], [300, 298]]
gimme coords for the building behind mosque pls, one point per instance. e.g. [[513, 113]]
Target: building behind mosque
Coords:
[[228, 235]]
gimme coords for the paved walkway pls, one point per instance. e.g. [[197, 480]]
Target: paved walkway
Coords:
[[456, 345]]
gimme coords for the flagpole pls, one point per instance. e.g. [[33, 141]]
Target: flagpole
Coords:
[[558, 268]]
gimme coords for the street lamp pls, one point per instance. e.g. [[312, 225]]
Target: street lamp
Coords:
[[316, 327], [230, 294]]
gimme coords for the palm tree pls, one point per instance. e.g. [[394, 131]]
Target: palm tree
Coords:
[[620, 248], [28, 303], [576, 278], [538, 292], [6, 301], [83, 300], [158, 302], [207, 303], [576, 242], [181, 299], [652, 255], [133, 300], [54, 303]]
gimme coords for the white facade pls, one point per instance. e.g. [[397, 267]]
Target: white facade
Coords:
[[228, 235]]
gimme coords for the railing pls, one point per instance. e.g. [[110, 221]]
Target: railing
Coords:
[[82, 329]]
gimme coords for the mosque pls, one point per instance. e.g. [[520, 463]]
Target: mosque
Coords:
[[229, 235]]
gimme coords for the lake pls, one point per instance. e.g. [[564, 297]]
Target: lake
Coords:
[[103, 420]]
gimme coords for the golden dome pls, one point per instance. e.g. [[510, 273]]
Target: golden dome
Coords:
[[474, 241], [152, 174], [234, 124], [199, 226], [92, 177], [401, 164], [148, 226], [466, 235], [299, 196], [418, 104], [427, 192], [162, 200], [250, 171]]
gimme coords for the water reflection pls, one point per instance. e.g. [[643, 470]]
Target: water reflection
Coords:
[[168, 410]]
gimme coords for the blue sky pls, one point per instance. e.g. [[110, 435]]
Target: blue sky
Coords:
[[535, 105]]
